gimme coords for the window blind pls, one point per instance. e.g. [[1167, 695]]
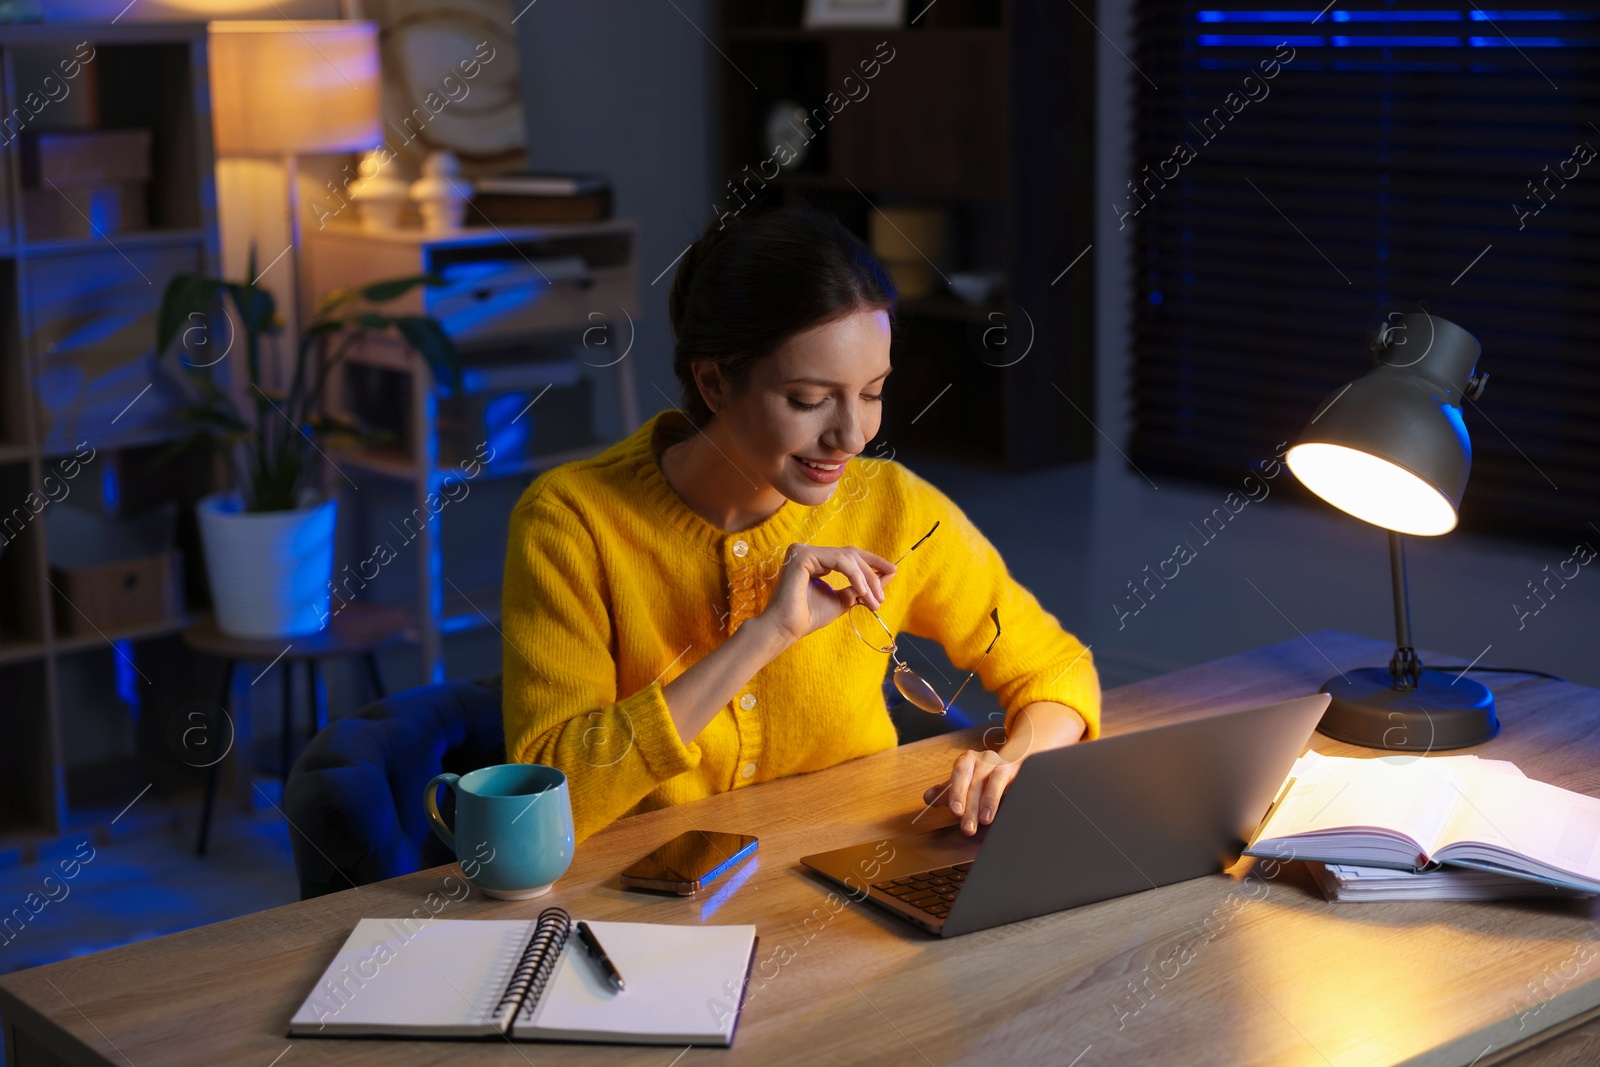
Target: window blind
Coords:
[[1299, 172]]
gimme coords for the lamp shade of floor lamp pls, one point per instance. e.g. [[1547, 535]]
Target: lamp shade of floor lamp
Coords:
[[285, 88], [1391, 449]]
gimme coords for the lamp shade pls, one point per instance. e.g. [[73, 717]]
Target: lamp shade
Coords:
[[285, 87], [1391, 447]]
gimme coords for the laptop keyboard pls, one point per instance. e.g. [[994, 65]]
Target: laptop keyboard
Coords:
[[929, 891]]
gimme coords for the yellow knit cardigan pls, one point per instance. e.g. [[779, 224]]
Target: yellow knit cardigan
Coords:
[[613, 587]]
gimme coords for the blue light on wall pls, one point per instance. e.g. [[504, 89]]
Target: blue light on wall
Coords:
[[510, 432], [127, 677]]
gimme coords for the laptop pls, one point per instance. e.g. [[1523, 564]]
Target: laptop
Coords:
[[1089, 822]]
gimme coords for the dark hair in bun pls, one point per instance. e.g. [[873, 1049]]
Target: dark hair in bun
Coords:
[[752, 282]]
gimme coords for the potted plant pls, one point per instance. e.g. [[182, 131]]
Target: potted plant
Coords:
[[269, 541]]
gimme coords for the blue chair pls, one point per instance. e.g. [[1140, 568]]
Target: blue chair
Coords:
[[354, 797]]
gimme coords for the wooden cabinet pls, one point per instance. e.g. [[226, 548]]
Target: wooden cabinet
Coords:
[[934, 121]]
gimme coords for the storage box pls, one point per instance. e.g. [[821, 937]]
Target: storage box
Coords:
[[114, 596], [110, 571], [85, 157], [83, 211], [85, 183]]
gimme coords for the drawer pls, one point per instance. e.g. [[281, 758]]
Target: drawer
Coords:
[[486, 302]]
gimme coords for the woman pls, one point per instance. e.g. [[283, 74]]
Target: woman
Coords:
[[673, 607]]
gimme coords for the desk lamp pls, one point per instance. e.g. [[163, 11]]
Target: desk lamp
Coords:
[[1391, 449]]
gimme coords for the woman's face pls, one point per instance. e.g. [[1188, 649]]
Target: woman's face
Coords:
[[812, 405]]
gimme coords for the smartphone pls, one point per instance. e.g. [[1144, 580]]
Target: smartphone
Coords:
[[689, 862]]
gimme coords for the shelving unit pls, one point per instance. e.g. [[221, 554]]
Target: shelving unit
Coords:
[[532, 309], [77, 364], [985, 109]]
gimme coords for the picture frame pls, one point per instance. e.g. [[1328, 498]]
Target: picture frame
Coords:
[[450, 82], [854, 14]]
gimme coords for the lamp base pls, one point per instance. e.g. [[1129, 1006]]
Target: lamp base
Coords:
[[1444, 711]]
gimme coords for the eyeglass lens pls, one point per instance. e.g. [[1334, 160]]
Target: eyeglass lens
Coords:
[[919, 692], [871, 629]]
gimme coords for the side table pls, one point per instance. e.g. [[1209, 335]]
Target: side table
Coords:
[[358, 629]]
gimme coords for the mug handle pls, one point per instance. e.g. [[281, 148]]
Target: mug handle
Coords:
[[430, 801]]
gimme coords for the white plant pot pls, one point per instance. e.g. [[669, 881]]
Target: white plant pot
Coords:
[[269, 570]]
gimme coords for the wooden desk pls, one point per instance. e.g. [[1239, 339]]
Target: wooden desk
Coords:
[[1229, 969]]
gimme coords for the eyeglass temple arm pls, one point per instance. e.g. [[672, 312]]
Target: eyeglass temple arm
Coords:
[[995, 615], [914, 547]]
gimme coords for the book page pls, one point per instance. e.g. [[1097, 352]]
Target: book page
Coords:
[[1467, 769], [1334, 795], [683, 985], [1517, 820], [443, 979]]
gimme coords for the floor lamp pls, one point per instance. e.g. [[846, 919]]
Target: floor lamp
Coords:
[[283, 89], [1391, 448]]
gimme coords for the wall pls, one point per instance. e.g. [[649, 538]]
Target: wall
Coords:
[[631, 90]]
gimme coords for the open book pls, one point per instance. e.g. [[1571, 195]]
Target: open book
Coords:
[[1411, 813], [528, 980]]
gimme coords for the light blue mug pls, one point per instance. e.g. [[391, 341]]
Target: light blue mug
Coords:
[[513, 835]]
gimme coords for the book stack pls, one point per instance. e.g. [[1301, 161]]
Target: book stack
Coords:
[[1343, 881], [533, 199], [1432, 828]]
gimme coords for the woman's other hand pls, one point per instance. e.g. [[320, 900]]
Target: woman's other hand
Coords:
[[802, 602]]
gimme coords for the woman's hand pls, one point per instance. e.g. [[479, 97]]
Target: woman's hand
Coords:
[[802, 602], [974, 787], [980, 776]]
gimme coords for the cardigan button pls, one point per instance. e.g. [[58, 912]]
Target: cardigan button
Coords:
[[740, 549], [748, 770], [747, 701]]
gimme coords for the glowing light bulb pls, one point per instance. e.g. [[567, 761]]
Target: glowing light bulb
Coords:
[[1372, 489]]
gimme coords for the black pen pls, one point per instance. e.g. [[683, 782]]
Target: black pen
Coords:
[[592, 945]]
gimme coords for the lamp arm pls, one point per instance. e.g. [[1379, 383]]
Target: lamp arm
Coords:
[[1404, 667]]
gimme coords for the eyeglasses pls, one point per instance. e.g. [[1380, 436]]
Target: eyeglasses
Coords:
[[912, 685]]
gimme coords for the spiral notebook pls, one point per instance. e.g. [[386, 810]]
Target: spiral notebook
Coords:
[[528, 980]]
